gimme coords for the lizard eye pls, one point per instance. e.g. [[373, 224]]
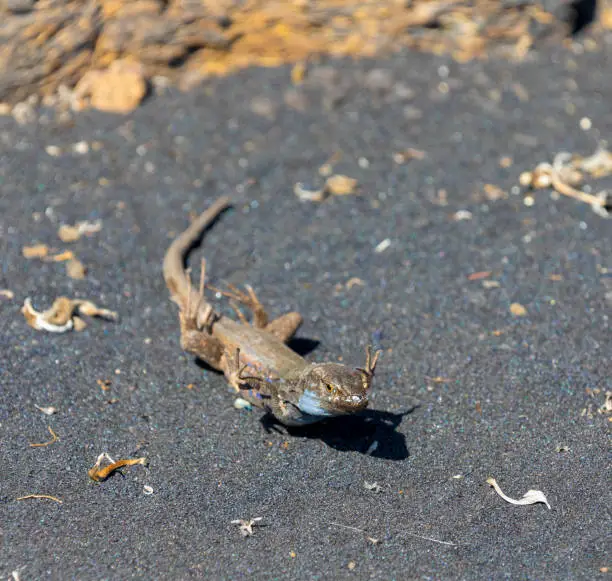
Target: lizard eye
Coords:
[[329, 387]]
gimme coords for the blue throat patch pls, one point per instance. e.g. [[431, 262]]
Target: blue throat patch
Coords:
[[310, 403]]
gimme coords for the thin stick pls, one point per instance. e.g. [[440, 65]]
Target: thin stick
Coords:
[[40, 496], [431, 539], [337, 524]]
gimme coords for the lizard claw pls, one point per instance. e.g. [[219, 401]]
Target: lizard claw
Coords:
[[234, 370], [367, 372]]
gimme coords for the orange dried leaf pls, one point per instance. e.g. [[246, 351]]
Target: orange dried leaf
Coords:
[[100, 474]]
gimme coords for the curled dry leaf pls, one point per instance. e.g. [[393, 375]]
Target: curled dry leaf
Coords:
[[69, 233], [7, 294], [100, 474], [307, 195], [530, 497], [61, 317]]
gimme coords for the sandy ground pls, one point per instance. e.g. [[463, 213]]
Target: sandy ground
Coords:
[[465, 390]]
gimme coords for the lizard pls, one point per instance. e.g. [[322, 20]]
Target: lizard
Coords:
[[255, 358]]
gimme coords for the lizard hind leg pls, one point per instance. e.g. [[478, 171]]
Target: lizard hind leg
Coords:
[[285, 326]]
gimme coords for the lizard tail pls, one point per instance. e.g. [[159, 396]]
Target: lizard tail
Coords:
[[174, 270]]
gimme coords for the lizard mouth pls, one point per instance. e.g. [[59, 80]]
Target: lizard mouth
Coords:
[[353, 403]]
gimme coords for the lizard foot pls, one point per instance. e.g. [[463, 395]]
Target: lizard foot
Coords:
[[367, 372], [234, 371], [248, 299]]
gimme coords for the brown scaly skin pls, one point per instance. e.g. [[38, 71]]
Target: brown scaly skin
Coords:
[[254, 357]]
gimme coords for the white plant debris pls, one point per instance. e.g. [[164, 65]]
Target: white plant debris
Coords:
[[63, 315], [246, 526], [567, 171], [530, 497], [373, 486]]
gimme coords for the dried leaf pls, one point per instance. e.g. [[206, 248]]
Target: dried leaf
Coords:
[[48, 411], [355, 281], [69, 233], [36, 251], [518, 310], [307, 195], [530, 497], [340, 185], [7, 294], [61, 316], [75, 269], [100, 474]]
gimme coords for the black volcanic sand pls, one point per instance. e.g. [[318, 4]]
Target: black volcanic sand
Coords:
[[465, 389]]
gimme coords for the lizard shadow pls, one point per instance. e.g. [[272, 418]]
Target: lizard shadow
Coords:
[[303, 346], [373, 433]]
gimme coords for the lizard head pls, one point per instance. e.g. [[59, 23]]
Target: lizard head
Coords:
[[331, 389]]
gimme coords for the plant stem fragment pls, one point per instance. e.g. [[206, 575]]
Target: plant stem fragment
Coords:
[[40, 496], [54, 438]]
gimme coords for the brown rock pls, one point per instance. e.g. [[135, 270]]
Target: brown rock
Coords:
[[119, 89]]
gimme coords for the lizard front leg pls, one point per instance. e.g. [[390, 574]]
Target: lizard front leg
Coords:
[[283, 328], [249, 300]]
